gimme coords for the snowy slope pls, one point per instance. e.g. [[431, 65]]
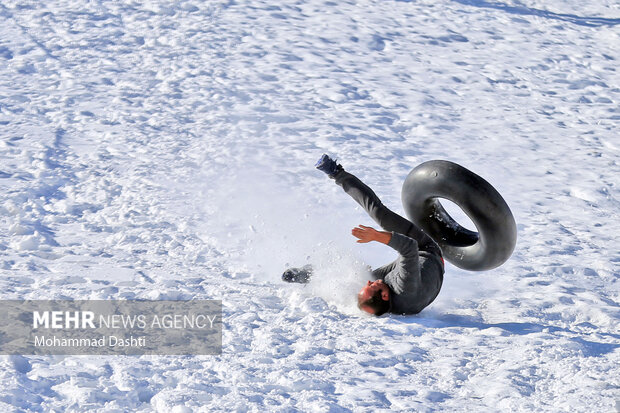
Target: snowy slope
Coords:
[[165, 150]]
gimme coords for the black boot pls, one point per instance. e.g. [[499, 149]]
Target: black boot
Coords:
[[298, 275], [328, 165]]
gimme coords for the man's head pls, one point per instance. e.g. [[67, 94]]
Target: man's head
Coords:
[[374, 298]]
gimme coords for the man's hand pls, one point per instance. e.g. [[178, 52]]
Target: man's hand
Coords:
[[366, 234]]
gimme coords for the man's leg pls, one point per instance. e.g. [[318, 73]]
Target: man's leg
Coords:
[[386, 218], [363, 195]]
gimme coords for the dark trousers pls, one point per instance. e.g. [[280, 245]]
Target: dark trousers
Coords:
[[386, 218]]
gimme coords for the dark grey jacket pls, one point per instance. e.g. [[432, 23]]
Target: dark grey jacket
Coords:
[[415, 277]]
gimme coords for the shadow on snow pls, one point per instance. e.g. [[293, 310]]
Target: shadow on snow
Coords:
[[529, 11], [589, 348]]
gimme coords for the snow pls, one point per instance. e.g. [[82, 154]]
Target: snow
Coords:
[[165, 150]]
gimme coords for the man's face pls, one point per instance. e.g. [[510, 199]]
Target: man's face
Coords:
[[371, 289]]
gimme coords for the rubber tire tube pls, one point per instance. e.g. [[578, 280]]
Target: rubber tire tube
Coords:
[[496, 238]]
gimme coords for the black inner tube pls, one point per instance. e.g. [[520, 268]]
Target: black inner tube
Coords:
[[496, 234]]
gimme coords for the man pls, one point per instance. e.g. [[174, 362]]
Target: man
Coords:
[[413, 280]]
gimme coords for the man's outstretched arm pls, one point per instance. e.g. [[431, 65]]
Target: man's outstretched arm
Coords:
[[366, 234], [407, 278], [406, 247]]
